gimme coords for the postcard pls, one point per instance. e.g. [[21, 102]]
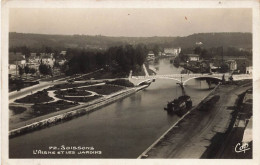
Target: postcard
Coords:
[[146, 82]]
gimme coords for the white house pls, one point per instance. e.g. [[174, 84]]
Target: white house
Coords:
[[232, 65], [193, 57], [249, 70], [199, 43], [63, 52], [47, 59]]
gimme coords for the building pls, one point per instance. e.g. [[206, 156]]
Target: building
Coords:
[[63, 52], [47, 58], [199, 43], [249, 70], [192, 57], [60, 60], [15, 60], [232, 64], [172, 51], [150, 55]]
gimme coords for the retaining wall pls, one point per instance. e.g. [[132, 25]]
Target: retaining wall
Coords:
[[89, 107]]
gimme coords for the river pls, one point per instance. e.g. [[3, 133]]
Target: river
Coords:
[[123, 129]]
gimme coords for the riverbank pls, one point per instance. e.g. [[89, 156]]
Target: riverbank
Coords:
[[50, 119], [192, 135]]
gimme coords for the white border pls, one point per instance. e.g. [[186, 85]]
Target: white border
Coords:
[[6, 5]]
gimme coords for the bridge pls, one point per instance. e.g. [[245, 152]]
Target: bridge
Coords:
[[184, 78]]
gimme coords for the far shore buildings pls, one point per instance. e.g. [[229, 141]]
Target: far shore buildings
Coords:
[[172, 51], [17, 60]]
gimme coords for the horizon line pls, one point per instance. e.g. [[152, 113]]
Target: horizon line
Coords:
[[125, 36]]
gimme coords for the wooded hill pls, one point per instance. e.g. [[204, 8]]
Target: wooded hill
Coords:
[[239, 40]]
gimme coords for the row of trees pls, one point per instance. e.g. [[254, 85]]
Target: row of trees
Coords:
[[26, 70], [118, 59], [43, 69], [217, 52]]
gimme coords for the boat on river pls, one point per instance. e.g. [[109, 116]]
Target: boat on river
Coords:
[[179, 104]]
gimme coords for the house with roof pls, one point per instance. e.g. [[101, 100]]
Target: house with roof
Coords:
[[47, 58], [192, 57], [63, 52], [232, 64], [60, 60], [249, 70], [16, 60]]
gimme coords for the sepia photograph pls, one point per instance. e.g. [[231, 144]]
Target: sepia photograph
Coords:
[[129, 82]]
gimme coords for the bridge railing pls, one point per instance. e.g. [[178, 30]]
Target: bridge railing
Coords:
[[193, 75]]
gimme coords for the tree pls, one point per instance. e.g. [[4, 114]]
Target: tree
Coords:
[[45, 69], [198, 50], [32, 71], [21, 70], [204, 54], [223, 68], [26, 51], [156, 50], [26, 70]]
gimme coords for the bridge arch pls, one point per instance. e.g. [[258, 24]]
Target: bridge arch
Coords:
[[184, 82], [169, 78]]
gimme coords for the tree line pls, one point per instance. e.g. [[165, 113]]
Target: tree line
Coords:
[[116, 59]]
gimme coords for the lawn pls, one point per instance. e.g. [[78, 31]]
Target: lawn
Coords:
[[42, 109], [17, 110], [39, 97], [104, 89], [73, 92], [121, 82]]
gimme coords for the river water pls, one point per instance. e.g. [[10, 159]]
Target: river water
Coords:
[[123, 129]]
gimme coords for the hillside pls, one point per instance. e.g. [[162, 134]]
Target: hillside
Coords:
[[243, 40]]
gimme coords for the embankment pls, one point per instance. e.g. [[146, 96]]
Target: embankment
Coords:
[[160, 139], [194, 134], [78, 111]]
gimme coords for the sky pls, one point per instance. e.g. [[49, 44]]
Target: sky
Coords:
[[129, 22]]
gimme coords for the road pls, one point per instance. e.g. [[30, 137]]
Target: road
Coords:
[[23, 92], [191, 137], [42, 85]]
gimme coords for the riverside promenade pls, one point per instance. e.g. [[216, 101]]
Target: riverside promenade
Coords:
[[46, 120]]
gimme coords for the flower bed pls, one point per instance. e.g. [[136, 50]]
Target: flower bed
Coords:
[[39, 97]]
